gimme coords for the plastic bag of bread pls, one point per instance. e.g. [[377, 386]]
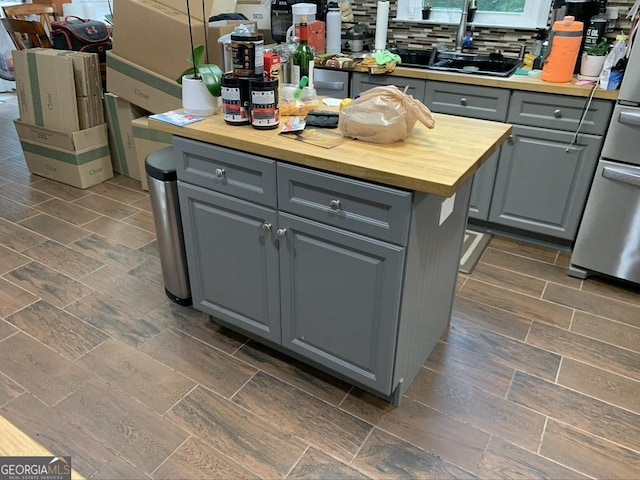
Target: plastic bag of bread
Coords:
[[383, 115]]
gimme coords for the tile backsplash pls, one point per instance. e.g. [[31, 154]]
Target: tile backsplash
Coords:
[[422, 35]]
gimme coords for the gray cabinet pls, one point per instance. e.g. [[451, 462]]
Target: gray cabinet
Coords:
[[354, 277], [315, 272], [361, 82], [543, 180], [541, 185], [486, 103], [340, 299], [233, 260]]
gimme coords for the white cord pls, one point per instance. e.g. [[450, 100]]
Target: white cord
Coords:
[[582, 117]]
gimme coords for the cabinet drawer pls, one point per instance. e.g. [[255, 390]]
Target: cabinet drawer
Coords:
[[361, 82], [373, 210], [467, 100], [559, 112], [228, 171]]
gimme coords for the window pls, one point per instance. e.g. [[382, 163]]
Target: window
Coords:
[[528, 14]]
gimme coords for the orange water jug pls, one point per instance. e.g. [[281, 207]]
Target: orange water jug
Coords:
[[564, 45]]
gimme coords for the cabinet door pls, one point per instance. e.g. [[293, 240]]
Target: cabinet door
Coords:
[[233, 261], [361, 82], [542, 184], [340, 299], [482, 188]]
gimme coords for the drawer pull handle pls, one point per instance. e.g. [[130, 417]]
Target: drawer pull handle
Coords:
[[281, 232], [266, 227], [557, 113], [463, 101], [335, 205], [219, 172]]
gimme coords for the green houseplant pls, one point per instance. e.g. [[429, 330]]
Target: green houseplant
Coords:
[[210, 74], [426, 10], [593, 59], [201, 82]]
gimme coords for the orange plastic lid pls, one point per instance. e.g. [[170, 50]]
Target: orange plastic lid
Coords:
[[568, 24]]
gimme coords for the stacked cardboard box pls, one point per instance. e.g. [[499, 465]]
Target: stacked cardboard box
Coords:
[[146, 142], [119, 114], [61, 126], [148, 56]]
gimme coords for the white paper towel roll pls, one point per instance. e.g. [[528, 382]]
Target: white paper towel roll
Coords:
[[382, 23]]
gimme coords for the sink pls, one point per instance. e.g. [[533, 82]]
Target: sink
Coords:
[[493, 64]]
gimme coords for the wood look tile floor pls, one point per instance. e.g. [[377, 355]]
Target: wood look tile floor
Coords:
[[537, 377]]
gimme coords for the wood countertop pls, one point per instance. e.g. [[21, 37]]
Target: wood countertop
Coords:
[[514, 82], [437, 161]]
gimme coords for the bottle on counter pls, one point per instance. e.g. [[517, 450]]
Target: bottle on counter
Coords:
[[303, 57], [334, 26]]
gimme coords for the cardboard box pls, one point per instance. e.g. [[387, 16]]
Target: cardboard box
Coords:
[[119, 114], [142, 87], [80, 158], [46, 90], [160, 42], [146, 142], [86, 70]]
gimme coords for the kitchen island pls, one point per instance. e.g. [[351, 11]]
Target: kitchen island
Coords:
[[345, 258]]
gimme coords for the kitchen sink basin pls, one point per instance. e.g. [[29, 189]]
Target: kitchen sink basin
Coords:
[[493, 64]]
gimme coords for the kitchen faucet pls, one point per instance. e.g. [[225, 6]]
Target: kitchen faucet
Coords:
[[462, 27]]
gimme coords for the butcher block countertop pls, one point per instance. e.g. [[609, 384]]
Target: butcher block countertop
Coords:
[[436, 161]]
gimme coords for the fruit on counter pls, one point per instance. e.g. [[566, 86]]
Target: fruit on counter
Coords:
[[345, 102]]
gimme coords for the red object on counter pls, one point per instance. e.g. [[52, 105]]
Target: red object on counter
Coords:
[[272, 63], [316, 34]]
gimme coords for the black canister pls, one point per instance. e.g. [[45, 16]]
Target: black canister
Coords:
[[265, 110], [235, 100], [247, 52]]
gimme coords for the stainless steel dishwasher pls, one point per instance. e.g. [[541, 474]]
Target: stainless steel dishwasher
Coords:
[[331, 83]]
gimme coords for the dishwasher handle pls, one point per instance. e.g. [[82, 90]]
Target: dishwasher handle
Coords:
[[621, 176], [629, 118], [328, 85]]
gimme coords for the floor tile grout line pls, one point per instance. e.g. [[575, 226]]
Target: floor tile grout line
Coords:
[[346, 395], [295, 464], [152, 473], [243, 385], [23, 392], [519, 255], [484, 453], [373, 427], [163, 415], [559, 368], [506, 393], [521, 273], [544, 429], [119, 221], [587, 362], [600, 437]]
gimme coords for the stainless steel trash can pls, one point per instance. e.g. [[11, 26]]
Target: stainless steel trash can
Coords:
[[160, 167]]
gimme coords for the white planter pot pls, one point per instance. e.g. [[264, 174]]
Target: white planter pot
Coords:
[[591, 66], [196, 99]]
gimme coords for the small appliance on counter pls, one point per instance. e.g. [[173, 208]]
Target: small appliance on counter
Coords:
[[356, 38], [282, 16]]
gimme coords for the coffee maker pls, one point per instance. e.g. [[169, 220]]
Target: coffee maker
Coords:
[[583, 10], [282, 16]]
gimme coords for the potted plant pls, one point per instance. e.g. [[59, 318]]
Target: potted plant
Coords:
[[593, 59], [201, 82], [426, 11]]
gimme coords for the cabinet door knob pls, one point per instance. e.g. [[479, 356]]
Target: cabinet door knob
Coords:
[[335, 205], [557, 113], [266, 227], [463, 101], [281, 232], [219, 172]]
